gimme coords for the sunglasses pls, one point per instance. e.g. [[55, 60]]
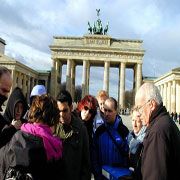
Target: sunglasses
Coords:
[[88, 109], [107, 110]]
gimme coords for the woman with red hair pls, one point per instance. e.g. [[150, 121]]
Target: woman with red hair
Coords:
[[87, 109]]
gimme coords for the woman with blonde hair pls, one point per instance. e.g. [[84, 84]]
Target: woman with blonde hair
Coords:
[[135, 141]]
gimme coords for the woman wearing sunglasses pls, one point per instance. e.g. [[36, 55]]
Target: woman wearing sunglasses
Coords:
[[87, 109]]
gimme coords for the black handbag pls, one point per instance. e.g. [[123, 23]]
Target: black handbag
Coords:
[[14, 173]]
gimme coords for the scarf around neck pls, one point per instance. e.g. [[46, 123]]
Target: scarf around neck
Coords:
[[52, 144]]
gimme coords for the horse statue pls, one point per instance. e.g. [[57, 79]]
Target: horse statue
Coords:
[[89, 28], [98, 29], [106, 28]]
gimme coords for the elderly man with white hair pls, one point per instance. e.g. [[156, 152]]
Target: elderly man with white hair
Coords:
[[160, 158]]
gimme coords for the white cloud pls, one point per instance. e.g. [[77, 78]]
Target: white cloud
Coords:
[[29, 26]]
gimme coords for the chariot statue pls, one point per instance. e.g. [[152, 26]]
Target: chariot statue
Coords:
[[98, 27]]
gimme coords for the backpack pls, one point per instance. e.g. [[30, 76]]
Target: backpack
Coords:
[[14, 173]]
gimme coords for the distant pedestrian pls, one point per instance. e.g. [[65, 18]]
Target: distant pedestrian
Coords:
[[175, 116]]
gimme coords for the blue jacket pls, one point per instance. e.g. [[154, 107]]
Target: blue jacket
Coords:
[[105, 152]]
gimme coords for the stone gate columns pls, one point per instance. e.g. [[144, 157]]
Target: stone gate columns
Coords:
[[58, 69], [73, 73], [169, 96], [165, 95], [28, 87], [88, 77], [68, 76], [24, 89], [138, 76], [19, 83], [122, 85], [32, 82], [173, 97], [106, 76], [177, 99], [84, 78], [53, 78], [14, 77], [162, 90]]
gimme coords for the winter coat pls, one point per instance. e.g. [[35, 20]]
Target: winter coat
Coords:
[[161, 152], [27, 151], [105, 152], [76, 156], [135, 142], [6, 131], [15, 97]]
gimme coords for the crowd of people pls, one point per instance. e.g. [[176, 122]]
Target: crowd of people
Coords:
[[49, 138]]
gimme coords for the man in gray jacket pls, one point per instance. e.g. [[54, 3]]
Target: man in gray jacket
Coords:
[[76, 156]]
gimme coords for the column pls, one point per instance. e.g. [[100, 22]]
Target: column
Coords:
[[173, 97], [68, 76], [165, 95], [73, 73], [177, 95], [138, 76], [106, 76], [52, 89], [162, 89], [84, 78], [169, 97], [19, 80], [59, 73], [88, 77], [28, 87], [122, 86], [24, 85], [135, 77], [56, 78], [32, 82], [14, 78]]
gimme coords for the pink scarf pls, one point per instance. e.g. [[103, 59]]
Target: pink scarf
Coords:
[[52, 144]]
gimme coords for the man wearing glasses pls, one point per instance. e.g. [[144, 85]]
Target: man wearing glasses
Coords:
[[110, 143], [160, 158]]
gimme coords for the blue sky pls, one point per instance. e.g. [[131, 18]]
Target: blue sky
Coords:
[[28, 28]]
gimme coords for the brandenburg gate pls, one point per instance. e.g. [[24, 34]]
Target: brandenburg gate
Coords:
[[95, 50]]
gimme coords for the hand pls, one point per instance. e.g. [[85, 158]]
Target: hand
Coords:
[[16, 123]]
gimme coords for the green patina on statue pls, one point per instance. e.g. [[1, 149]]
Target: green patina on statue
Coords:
[[98, 28]]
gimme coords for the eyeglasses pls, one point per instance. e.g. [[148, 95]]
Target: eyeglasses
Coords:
[[88, 109], [140, 108]]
